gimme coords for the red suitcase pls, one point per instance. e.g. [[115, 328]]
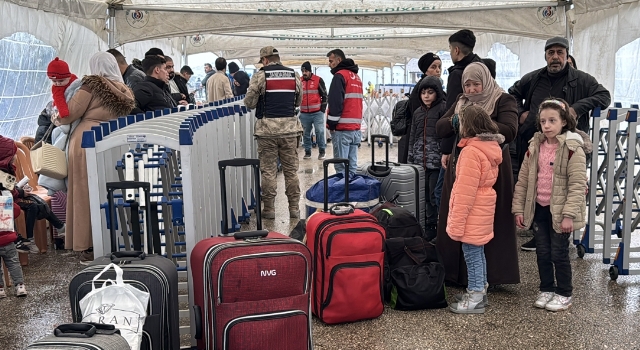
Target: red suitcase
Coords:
[[348, 252], [252, 290]]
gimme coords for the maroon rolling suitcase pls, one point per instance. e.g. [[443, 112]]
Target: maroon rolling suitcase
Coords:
[[252, 290]]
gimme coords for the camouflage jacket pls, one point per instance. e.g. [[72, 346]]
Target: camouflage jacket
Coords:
[[272, 127]]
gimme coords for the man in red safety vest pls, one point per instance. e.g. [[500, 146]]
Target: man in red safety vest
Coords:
[[314, 103], [345, 109]]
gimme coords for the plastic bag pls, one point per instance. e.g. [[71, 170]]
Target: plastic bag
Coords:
[[6, 211], [119, 304]]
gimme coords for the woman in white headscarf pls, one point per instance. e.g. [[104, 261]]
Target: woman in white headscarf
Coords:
[[102, 97]]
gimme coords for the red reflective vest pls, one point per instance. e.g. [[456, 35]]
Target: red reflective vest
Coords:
[[311, 99], [351, 118]]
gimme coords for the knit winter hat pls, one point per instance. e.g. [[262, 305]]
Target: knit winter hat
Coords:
[[425, 61], [306, 66], [233, 67], [465, 37], [58, 69], [8, 149]]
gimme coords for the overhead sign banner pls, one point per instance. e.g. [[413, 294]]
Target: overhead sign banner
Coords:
[[533, 22]]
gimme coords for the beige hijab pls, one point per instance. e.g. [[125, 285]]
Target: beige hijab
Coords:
[[491, 92]]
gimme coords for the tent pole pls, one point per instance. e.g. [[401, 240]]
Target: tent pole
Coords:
[[185, 60], [111, 34], [569, 32]]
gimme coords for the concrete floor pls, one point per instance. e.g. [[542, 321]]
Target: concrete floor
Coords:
[[604, 314]]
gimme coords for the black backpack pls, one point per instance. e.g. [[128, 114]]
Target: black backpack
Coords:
[[397, 221], [400, 118]]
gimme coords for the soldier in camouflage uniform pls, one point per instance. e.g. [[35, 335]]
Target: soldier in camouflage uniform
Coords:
[[275, 91]]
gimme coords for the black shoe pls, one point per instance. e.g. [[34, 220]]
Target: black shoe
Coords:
[[321, 156], [21, 248], [529, 246], [307, 155], [23, 240]]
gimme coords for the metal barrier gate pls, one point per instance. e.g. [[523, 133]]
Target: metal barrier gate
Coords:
[[614, 190], [177, 151]]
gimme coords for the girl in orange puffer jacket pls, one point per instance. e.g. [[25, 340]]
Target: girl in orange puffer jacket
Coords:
[[473, 201]]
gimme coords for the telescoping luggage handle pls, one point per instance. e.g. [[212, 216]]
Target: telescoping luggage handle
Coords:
[[376, 170], [241, 162], [153, 234], [325, 165]]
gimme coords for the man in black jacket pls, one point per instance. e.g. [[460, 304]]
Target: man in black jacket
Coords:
[[461, 46], [240, 79], [177, 85], [130, 74], [153, 93], [559, 80]]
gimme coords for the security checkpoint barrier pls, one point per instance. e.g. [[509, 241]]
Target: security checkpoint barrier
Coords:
[[376, 117], [614, 190], [177, 152]]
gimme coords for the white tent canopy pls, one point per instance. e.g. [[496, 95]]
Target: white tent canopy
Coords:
[[382, 33]]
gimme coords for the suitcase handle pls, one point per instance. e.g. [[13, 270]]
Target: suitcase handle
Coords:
[[75, 330], [118, 257], [325, 165], [251, 234], [107, 329], [239, 162], [376, 170], [197, 316], [350, 209]]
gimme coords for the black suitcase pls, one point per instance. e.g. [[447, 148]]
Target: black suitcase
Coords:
[[154, 274]]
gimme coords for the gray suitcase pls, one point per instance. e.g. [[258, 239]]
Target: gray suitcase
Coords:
[[82, 336], [406, 181]]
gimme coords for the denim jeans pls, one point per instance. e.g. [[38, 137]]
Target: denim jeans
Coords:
[[476, 266], [345, 145], [438, 191], [9, 255], [316, 121], [552, 250]]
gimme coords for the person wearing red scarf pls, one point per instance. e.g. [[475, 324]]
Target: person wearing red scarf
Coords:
[[61, 77]]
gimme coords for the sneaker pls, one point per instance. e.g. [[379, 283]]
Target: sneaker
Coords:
[[529, 246], [62, 230], [543, 299], [307, 155], [23, 240], [558, 303], [21, 291], [86, 257], [321, 156], [268, 214], [485, 300], [470, 303], [3, 294], [294, 213], [23, 248]]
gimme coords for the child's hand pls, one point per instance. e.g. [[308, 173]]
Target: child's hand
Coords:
[[520, 221], [567, 225]]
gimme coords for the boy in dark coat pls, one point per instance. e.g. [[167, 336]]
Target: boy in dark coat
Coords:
[[424, 144]]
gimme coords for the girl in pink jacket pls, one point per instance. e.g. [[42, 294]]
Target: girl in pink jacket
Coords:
[[473, 201]]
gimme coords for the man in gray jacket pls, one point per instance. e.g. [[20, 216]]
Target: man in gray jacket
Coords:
[[560, 80]]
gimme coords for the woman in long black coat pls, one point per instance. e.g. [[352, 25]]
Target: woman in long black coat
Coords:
[[502, 251]]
